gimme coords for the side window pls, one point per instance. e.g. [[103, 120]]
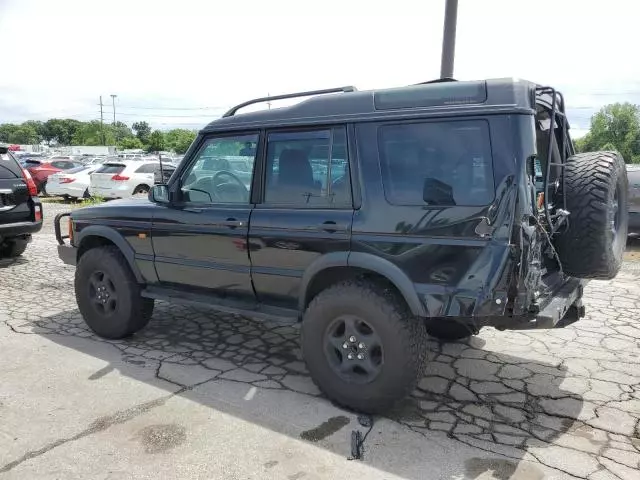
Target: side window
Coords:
[[436, 163], [308, 169], [221, 171], [148, 168]]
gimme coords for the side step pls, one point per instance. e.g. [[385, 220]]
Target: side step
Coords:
[[224, 304]]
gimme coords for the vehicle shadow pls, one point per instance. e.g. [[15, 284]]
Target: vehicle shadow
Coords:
[[10, 262], [499, 402]]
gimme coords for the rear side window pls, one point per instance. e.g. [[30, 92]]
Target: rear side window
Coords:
[[436, 163], [79, 169], [111, 168], [308, 169], [148, 168], [9, 168]]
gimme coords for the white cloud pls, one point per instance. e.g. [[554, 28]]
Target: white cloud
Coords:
[[64, 54]]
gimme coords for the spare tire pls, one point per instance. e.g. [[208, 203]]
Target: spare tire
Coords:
[[596, 189]]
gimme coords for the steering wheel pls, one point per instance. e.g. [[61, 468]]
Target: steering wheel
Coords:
[[221, 186]]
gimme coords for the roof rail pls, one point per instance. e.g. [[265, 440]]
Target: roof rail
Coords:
[[231, 112]]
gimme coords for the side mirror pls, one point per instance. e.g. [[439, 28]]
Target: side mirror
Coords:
[[159, 194]]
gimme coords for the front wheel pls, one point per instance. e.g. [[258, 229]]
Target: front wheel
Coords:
[[108, 295], [141, 190], [362, 346]]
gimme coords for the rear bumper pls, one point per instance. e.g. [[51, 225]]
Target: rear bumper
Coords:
[[19, 228], [63, 189]]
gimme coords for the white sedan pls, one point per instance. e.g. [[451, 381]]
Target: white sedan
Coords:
[[125, 178], [73, 183]]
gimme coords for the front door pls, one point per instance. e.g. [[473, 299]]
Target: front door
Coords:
[[200, 239], [306, 210]]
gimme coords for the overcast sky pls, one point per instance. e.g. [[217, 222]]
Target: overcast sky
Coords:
[[181, 63]]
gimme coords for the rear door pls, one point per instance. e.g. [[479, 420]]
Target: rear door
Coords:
[[14, 195], [306, 209]]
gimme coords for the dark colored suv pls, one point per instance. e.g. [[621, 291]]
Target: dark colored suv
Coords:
[[20, 208], [376, 218]]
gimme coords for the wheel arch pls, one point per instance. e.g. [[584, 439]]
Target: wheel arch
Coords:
[[99, 235], [338, 266]]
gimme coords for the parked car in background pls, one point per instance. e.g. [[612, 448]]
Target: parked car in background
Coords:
[[162, 175], [72, 183], [20, 208], [93, 160], [40, 170], [633, 172], [125, 178]]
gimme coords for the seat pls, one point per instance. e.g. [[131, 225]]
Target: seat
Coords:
[[295, 182]]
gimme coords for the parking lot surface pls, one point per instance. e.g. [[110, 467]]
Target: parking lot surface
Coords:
[[199, 394]]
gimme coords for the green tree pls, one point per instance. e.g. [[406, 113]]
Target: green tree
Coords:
[[37, 126], [156, 141], [7, 131], [616, 127], [60, 130], [179, 139], [130, 143], [143, 131], [91, 133], [25, 135], [120, 131]]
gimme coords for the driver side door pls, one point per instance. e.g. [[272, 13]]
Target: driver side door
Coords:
[[200, 239]]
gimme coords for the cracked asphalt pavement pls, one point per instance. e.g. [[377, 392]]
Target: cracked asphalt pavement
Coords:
[[199, 394]]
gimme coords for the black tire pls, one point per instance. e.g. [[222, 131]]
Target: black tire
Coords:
[[594, 242], [13, 247], [140, 189], [402, 345], [125, 315], [448, 330], [85, 194], [43, 189]]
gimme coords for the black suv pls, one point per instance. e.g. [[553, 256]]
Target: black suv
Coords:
[[376, 218], [20, 208]]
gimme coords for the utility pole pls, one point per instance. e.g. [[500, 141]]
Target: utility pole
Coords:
[[449, 38], [101, 122], [269, 103], [113, 101]]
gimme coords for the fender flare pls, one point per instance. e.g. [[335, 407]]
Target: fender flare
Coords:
[[365, 261], [117, 239]]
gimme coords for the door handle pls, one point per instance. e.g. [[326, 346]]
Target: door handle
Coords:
[[232, 223], [331, 227]]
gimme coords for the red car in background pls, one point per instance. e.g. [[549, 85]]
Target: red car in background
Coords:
[[41, 169]]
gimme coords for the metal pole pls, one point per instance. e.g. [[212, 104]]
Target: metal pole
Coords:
[[101, 121], [449, 39], [113, 100]]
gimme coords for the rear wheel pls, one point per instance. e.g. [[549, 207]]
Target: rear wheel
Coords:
[[108, 295], [141, 190], [362, 345], [596, 190], [13, 247]]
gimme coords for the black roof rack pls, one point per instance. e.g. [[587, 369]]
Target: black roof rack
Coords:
[[231, 112]]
